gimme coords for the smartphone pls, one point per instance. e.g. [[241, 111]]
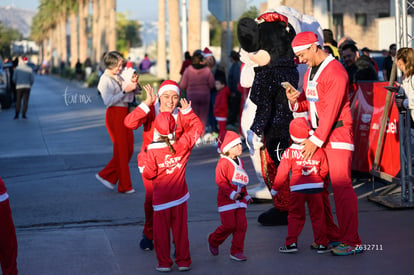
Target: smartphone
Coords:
[[392, 88], [288, 85]]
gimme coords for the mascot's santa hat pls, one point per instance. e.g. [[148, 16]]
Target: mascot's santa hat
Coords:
[[169, 85], [230, 139], [299, 129], [165, 125], [303, 41]]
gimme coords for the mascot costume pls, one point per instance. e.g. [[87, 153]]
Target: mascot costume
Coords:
[[268, 61]]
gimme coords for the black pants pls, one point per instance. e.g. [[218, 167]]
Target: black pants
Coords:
[[22, 94]]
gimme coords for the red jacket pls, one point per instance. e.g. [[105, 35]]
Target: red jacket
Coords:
[[166, 170], [231, 178], [221, 107], [144, 115], [306, 175], [328, 106]]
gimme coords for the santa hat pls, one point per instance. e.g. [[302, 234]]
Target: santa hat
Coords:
[[25, 60], [169, 85], [230, 139], [207, 52], [299, 129], [164, 124], [304, 40]]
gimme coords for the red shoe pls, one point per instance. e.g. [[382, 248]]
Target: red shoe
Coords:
[[213, 249], [238, 257]]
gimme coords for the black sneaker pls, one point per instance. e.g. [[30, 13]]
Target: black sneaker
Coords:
[[323, 249], [146, 244], [289, 248]]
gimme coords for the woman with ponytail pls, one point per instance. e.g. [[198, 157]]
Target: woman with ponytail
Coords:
[[165, 164]]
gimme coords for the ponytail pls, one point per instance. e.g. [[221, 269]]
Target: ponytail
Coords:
[[167, 141]]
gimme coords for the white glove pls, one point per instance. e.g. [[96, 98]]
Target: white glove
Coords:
[[255, 142]]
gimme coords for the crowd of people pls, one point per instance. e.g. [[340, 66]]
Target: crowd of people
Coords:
[[321, 145]]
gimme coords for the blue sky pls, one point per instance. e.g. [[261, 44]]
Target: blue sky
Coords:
[[143, 10]]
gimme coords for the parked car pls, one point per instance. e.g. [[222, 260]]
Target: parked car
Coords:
[[6, 86]]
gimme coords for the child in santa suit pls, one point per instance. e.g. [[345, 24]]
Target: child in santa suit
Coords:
[[166, 100], [221, 107], [8, 240], [306, 185], [232, 198], [165, 165]]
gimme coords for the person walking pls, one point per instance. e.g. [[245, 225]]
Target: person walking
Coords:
[[115, 100], [165, 165], [8, 239], [198, 80], [306, 186], [166, 100], [23, 77], [325, 97], [232, 198]]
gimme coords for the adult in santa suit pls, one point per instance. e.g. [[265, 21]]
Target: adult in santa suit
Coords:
[[144, 115], [325, 98], [165, 164], [8, 240]]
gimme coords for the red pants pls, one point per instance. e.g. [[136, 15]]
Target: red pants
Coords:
[[297, 217], [148, 209], [8, 240], [123, 139], [172, 219], [232, 222], [346, 201]]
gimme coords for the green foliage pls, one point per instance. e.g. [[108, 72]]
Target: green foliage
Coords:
[[92, 80], [7, 36], [127, 32], [216, 27]]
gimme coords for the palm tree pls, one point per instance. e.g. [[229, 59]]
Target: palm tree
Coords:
[[161, 57], [83, 31], [175, 39], [194, 25], [111, 24]]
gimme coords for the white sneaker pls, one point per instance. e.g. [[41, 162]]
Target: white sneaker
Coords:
[[130, 191], [163, 269], [105, 182]]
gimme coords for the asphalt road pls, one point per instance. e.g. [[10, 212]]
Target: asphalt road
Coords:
[[68, 223]]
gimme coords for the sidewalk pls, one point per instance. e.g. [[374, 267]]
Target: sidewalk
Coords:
[[68, 223]]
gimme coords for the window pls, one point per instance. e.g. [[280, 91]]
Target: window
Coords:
[[338, 23], [361, 19]]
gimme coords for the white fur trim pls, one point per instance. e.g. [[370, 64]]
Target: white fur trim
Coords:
[[168, 87], [231, 144], [297, 140], [303, 47], [4, 197]]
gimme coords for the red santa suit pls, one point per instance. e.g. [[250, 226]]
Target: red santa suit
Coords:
[[306, 185], [170, 192], [221, 112], [144, 115], [8, 240], [231, 178], [325, 97]]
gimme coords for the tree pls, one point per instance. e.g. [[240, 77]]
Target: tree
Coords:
[[7, 36], [127, 33]]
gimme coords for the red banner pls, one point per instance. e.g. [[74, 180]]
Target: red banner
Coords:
[[367, 107]]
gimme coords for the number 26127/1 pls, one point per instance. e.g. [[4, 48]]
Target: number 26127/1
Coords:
[[370, 247]]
